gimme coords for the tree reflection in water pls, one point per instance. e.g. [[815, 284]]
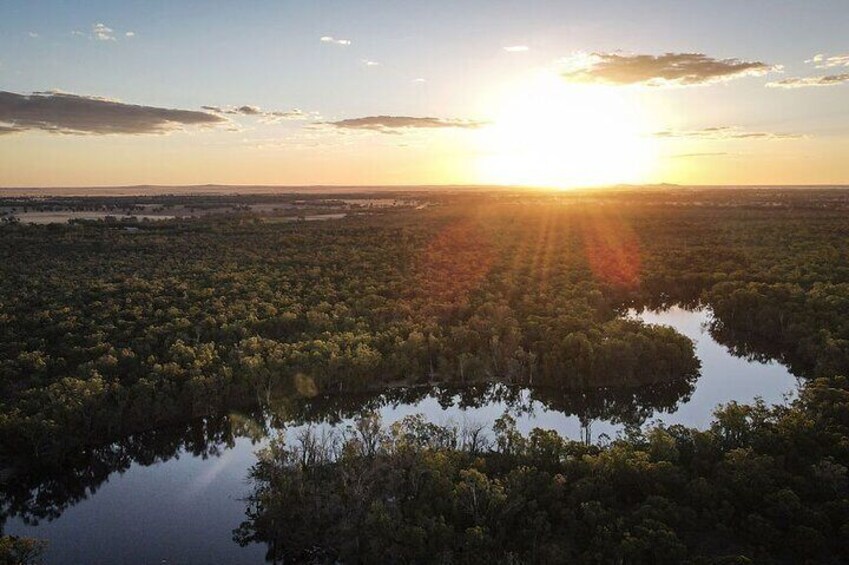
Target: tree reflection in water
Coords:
[[44, 489]]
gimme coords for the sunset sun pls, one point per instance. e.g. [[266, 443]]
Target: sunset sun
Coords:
[[551, 133]]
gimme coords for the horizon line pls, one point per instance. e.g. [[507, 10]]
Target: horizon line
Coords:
[[245, 189]]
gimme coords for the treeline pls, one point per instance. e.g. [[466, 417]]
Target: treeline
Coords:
[[761, 485]]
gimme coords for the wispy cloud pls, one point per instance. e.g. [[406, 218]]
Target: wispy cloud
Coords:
[[294, 114], [419, 80], [398, 124], [33, 34], [516, 48], [370, 63], [804, 82], [724, 132], [266, 116], [101, 32], [60, 112], [669, 69], [821, 61], [334, 41]]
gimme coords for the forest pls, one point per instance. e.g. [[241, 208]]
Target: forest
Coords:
[[108, 334], [760, 485]]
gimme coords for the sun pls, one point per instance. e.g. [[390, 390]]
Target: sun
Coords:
[[550, 133]]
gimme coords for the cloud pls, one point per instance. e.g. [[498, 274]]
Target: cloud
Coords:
[[33, 34], [4, 130], [246, 110], [724, 132], [334, 41], [266, 116], [294, 114], [101, 32], [516, 48], [59, 112], [669, 69], [802, 82], [397, 124], [820, 61], [419, 80], [370, 63]]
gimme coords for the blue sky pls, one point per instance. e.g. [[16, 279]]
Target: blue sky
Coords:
[[268, 54]]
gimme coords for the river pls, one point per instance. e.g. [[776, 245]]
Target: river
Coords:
[[180, 504]]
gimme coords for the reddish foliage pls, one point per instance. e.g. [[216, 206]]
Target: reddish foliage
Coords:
[[612, 249], [453, 265]]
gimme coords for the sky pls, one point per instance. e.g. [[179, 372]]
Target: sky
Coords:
[[560, 93]]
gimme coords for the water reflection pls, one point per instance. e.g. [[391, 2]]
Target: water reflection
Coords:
[[43, 490], [731, 371], [175, 494]]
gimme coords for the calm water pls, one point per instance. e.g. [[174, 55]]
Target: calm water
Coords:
[[183, 507]]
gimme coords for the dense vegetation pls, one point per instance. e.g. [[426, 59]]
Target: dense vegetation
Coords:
[[106, 332], [767, 485]]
